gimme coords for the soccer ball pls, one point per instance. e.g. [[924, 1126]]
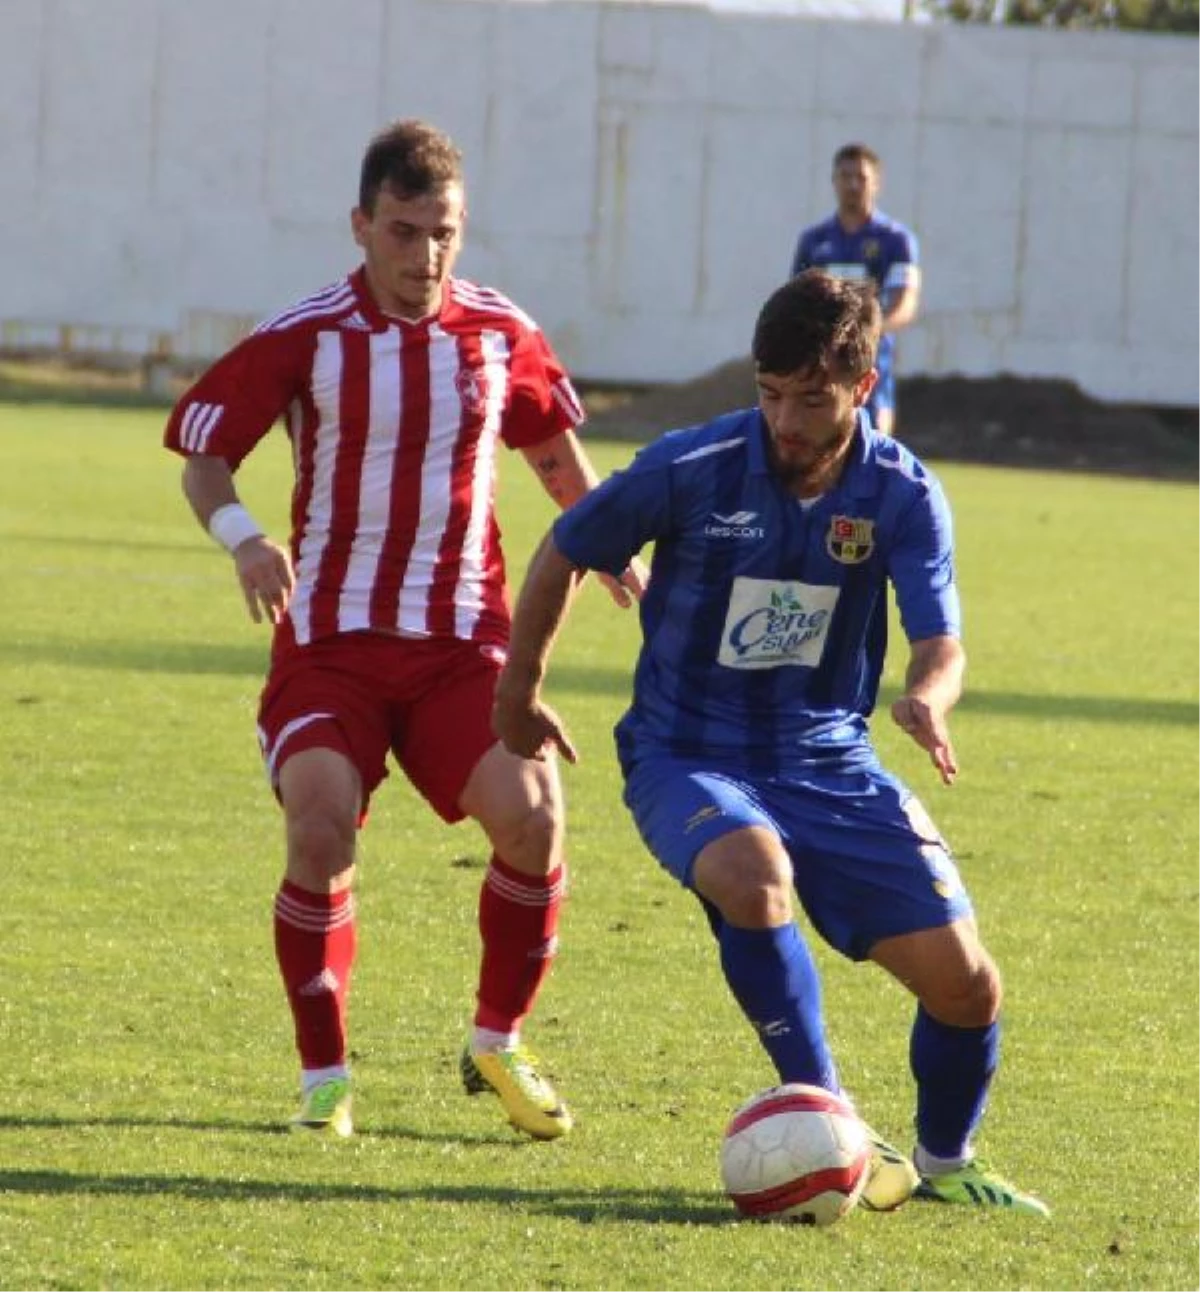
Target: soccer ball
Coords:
[[796, 1153]]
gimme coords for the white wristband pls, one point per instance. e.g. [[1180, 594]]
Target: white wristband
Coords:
[[232, 524]]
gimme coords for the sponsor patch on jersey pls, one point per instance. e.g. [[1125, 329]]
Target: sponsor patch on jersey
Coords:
[[850, 539], [772, 623], [850, 272]]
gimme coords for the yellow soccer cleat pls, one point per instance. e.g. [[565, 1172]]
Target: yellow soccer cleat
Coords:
[[528, 1098], [892, 1179], [974, 1185], [326, 1110]]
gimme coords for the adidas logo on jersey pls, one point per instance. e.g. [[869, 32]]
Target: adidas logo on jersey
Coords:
[[736, 525]]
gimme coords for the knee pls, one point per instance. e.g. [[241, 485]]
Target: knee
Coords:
[[531, 841], [752, 890], [320, 842], [970, 998]]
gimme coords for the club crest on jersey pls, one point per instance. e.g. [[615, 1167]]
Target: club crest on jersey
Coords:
[[470, 391], [870, 248], [850, 539]]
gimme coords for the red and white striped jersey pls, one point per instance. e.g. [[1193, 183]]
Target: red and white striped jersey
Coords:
[[394, 427]]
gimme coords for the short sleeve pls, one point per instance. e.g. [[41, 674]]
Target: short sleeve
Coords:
[[236, 401], [904, 259], [802, 257], [543, 402], [612, 523], [921, 567]]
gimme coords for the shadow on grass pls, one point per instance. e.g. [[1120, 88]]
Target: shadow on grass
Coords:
[[1005, 704], [142, 657], [1081, 708], [232, 1125], [647, 1206], [201, 657], [186, 545]]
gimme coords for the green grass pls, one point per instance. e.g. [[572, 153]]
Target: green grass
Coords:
[[147, 1049]]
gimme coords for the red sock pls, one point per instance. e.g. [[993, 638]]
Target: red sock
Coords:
[[315, 942], [518, 916]]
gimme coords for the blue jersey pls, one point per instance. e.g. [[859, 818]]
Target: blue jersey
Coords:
[[765, 620], [883, 250]]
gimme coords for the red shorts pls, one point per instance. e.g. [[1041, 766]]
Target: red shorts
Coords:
[[362, 694]]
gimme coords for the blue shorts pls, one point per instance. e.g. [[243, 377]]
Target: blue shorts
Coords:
[[868, 862]]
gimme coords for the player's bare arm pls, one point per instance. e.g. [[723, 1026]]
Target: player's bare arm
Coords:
[[264, 568], [904, 307], [566, 474], [525, 725], [562, 466], [932, 686]]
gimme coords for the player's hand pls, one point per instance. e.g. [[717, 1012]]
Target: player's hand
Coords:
[[927, 726], [529, 728], [264, 570], [629, 586]]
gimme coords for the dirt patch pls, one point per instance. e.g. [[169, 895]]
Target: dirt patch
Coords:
[[1007, 421]]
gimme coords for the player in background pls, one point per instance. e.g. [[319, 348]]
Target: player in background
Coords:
[[860, 242], [746, 752], [397, 383]]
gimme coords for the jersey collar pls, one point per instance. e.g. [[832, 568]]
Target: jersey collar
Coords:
[[366, 302], [859, 479], [379, 321]]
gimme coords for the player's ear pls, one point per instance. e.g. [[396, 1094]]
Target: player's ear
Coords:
[[864, 385], [358, 224]]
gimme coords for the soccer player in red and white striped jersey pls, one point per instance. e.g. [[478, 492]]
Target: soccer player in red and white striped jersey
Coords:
[[397, 386]]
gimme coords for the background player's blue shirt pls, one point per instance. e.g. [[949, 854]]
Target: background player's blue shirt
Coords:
[[883, 250], [765, 622]]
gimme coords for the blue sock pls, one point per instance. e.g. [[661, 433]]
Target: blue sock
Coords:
[[953, 1067], [773, 978]]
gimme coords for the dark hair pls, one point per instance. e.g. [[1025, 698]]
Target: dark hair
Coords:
[[412, 158], [857, 153], [816, 321]]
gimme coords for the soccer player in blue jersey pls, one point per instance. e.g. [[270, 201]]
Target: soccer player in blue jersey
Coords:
[[860, 242], [747, 760]]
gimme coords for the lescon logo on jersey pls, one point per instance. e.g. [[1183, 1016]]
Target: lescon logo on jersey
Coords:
[[850, 539], [737, 524], [775, 622]]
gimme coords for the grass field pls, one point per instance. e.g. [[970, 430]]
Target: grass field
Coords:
[[147, 1051]]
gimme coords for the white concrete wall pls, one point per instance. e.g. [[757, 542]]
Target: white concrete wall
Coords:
[[637, 173]]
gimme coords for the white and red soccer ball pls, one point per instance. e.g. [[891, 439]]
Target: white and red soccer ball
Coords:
[[796, 1153]]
